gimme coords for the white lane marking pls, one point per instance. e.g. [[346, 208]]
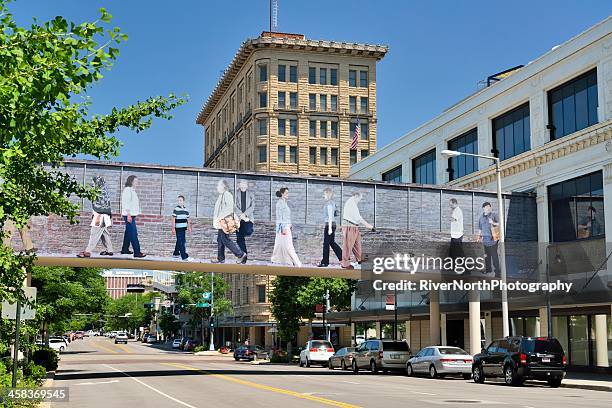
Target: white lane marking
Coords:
[[163, 394], [422, 393], [96, 383], [352, 382]]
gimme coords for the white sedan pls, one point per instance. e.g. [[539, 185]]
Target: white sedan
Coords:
[[316, 352], [56, 344], [176, 343]]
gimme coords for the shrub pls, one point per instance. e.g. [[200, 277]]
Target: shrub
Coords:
[[197, 349], [46, 357], [280, 356], [35, 372]]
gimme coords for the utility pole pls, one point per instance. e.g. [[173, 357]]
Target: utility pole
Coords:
[[211, 346]]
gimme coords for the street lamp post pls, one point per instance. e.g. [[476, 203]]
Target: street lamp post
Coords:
[[502, 231], [211, 346]]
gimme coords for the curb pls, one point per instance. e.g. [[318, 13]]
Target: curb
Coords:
[[605, 388], [48, 383]]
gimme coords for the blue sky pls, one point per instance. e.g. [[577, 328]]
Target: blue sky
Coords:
[[439, 50]]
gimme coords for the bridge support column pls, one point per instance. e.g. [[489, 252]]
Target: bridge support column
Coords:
[[443, 329], [601, 340], [474, 322], [434, 317]]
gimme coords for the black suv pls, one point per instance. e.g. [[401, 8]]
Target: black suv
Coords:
[[519, 358]]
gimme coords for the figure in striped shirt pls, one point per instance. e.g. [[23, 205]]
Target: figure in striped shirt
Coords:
[[180, 225]]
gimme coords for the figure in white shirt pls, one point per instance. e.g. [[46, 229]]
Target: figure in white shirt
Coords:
[[100, 221], [351, 220], [456, 229], [130, 209]]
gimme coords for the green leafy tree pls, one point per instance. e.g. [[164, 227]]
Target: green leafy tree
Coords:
[[129, 312], [169, 325], [46, 70]]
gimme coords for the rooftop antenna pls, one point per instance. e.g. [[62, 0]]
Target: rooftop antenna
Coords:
[[273, 15]]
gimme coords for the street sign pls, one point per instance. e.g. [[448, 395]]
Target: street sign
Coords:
[[206, 295], [9, 310], [202, 304]]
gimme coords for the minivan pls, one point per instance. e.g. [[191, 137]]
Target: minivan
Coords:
[[382, 355]]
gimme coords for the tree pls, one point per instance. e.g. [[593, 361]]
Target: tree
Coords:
[[64, 292], [46, 70], [295, 298], [129, 312], [169, 325]]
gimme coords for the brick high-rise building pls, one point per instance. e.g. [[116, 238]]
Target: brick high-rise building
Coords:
[[290, 105]]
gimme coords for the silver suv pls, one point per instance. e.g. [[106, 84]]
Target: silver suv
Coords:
[[382, 355]]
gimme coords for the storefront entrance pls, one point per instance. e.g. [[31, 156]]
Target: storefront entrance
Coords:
[[454, 333]]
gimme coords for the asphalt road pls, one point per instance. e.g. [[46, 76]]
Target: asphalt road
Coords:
[[102, 374]]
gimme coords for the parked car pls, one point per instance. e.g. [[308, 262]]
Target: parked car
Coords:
[[79, 335], [342, 358], [176, 343], [143, 337], [519, 358], [56, 344], [438, 361], [250, 352], [121, 337], [191, 344], [381, 354], [151, 338], [184, 341], [317, 352]]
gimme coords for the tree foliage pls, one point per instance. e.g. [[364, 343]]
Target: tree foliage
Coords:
[[46, 70], [129, 312]]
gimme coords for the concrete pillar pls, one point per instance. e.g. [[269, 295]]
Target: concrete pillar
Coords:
[[443, 329], [353, 334], [474, 322], [407, 324], [601, 340], [378, 331], [434, 317], [543, 322], [488, 328]]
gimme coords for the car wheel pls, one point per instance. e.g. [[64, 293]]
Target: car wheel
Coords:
[[467, 376], [510, 377], [555, 383], [343, 364], [478, 374], [307, 362], [236, 358], [409, 370], [61, 349], [354, 367], [330, 365], [433, 373], [373, 367]]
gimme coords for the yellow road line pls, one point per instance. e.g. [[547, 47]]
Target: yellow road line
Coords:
[[124, 348], [106, 348], [320, 400]]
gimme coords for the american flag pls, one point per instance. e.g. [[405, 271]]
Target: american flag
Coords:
[[356, 135]]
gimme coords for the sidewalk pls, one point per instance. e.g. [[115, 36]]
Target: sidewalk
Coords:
[[588, 381]]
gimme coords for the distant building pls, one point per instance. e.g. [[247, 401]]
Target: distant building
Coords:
[[118, 280], [290, 105]]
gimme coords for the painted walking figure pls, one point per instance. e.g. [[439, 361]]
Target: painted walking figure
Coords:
[[284, 252], [226, 222], [180, 225], [245, 206], [130, 209], [329, 228], [488, 225], [351, 220], [101, 221]]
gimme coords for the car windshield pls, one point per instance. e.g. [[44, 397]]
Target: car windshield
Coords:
[[395, 346], [541, 346], [321, 344], [451, 350]]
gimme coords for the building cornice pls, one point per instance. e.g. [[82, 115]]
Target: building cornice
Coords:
[[249, 46], [540, 156]]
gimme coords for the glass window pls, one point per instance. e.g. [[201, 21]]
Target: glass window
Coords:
[[353, 104], [313, 128], [333, 76], [263, 100], [312, 101], [281, 99], [293, 100], [334, 103], [393, 176], [323, 128], [313, 155], [293, 127], [292, 73], [573, 105], [364, 104], [334, 128], [462, 165], [363, 79], [579, 340], [352, 78], [261, 293], [576, 208], [263, 73], [281, 127], [293, 154], [263, 154], [365, 153], [281, 154], [334, 156], [511, 133], [323, 155], [312, 75], [282, 73], [365, 131], [323, 102], [263, 126], [424, 168], [353, 157], [323, 76]]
